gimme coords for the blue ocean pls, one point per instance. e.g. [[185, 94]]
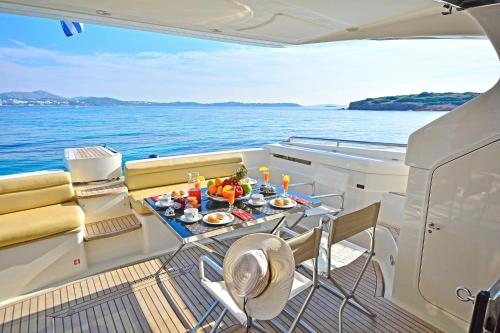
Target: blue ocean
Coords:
[[34, 138]]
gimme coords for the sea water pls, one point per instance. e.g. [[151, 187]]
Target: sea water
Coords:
[[34, 138]]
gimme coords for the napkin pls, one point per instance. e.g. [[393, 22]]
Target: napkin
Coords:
[[301, 201], [241, 214]]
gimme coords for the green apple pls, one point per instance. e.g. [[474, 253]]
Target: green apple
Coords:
[[210, 183], [247, 188]]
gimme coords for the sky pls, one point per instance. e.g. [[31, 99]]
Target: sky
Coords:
[[135, 65]]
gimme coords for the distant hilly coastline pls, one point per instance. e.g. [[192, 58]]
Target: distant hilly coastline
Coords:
[[424, 101], [43, 98]]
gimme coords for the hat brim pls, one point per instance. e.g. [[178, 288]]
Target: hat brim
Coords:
[[273, 299]]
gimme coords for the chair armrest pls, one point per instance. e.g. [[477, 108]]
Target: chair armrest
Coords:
[[207, 260], [331, 195], [290, 232], [301, 184], [328, 195]]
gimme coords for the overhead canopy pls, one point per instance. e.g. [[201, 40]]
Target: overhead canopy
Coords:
[[266, 22]]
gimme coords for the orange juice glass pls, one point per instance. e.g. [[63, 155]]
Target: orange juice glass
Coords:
[[265, 175], [193, 201], [286, 181], [230, 199]]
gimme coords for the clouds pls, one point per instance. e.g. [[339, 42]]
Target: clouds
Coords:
[[332, 73]]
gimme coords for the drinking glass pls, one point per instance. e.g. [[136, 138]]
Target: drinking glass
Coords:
[[230, 199], [192, 201], [194, 186], [286, 181], [193, 177], [195, 192], [265, 175]]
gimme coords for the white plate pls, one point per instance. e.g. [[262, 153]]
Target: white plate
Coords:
[[160, 204], [291, 205], [184, 219], [222, 199], [249, 180], [227, 219], [258, 203]]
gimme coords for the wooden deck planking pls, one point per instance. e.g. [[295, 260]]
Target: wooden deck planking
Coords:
[[91, 152], [100, 190], [111, 227], [130, 299]]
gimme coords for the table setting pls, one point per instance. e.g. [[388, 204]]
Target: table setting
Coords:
[[226, 204]]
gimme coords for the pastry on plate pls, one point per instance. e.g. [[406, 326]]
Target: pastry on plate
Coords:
[[286, 202], [220, 216], [213, 219], [278, 202]]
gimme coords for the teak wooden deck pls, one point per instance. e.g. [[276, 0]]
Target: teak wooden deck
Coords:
[[131, 299], [111, 227], [100, 190], [89, 152]]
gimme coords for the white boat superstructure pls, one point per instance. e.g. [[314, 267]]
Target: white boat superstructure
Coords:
[[82, 255]]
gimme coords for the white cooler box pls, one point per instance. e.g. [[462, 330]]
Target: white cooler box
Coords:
[[89, 164]]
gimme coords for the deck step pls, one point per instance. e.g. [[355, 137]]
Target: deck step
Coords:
[[111, 227], [100, 190]]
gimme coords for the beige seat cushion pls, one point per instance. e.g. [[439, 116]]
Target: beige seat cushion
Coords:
[[41, 222], [158, 172], [137, 197], [33, 190]]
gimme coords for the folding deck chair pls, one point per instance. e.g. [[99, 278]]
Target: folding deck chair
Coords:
[[305, 247]]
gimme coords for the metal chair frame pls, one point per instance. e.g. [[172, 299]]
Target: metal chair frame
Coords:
[[348, 296], [251, 322], [319, 196]]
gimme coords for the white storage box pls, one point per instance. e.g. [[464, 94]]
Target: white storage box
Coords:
[[90, 164]]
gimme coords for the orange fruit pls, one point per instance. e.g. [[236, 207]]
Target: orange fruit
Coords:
[[219, 191], [218, 182], [212, 190]]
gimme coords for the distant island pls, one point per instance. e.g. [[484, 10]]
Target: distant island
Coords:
[[43, 98], [425, 101]]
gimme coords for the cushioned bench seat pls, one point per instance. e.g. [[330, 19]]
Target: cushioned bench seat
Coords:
[[145, 178], [36, 205], [40, 222], [137, 197]]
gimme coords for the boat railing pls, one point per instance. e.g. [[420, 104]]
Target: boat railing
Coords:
[[344, 142]]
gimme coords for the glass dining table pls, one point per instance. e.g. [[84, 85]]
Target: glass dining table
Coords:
[[195, 233], [201, 234]]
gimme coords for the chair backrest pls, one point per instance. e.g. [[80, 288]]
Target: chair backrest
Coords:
[[350, 224], [306, 246], [34, 189]]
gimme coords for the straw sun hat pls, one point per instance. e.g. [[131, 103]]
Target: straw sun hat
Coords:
[[258, 272]]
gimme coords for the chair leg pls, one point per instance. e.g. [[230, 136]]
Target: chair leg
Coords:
[[218, 321], [302, 323], [341, 310], [339, 294], [205, 316], [358, 280], [302, 309], [349, 296]]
